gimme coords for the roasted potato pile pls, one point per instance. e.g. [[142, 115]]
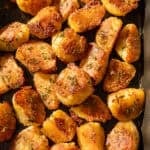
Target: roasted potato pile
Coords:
[[69, 74]]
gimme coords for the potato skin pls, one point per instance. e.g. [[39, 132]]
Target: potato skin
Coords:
[[124, 136], [32, 6], [126, 104], [73, 85], [7, 121], [128, 45], [118, 76], [59, 127], [68, 45], [46, 23], [13, 35]]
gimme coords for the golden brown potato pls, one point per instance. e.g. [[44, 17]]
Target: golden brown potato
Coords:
[[126, 104], [93, 109], [118, 76], [11, 75], [68, 45], [13, 35], [46, 23], [32, 6], [108, 33], [7, 121], [124, 136], [30, 138], [86, 18], [91, 136], [120, 7], [28, 106], [95, 63], [37, 56], [59, 127], [128, 45], [45, 85], [73, 85]]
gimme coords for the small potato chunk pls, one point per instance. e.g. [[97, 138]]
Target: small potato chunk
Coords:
[[46, 23], [128, 45], [73, 85], [68, 45], [37, 56], [86, 18], [118, 76], [28, 106], [124, 136], [11, 75], [32, 6], [126, 104], [7, 121], [91, 136], [30, 138], [59, 127], [65, 146], [120, 7], [13, 35], [93, 109], [45, 85], [95, 63]]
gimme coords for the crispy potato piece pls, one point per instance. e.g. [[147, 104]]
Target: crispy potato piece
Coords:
[[30, 138], [118, 76], [128, 45], [126, 104], [73, 85], [124, 136], [68, 45], [13, 35], [28, 106], [93, 109], [46, 23], [37, 56], [11, 75], [120, 7], [59, 127], [95, 63], [86, 18], [32, 6], [91, 136], [7, 121], [45, 85]]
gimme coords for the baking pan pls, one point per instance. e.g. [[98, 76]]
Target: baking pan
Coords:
[[9, 12]]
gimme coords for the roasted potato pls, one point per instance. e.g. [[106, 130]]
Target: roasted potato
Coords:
[[126, 104], [86, 18], [68, 45], [45, 85], [73, 85], [30, 138], [13, 35], [128, 45], [37, 56], [120, 7], [93, 109], [91, 136], [59, 127], [11, 75], [28, 106], [124, 136], [32, 6], [95, 63], [118, 76], [46, 23], [108, 33], [7, 121]]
